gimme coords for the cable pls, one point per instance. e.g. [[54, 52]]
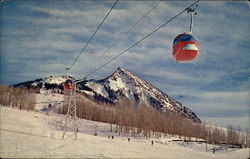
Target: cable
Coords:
[[67, 69], [108, 49], [141, 39]]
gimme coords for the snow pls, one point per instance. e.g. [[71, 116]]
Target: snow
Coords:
[[34, 84], [87, 92], [116, 85], [43, 100], [55, 80], [39, 135], [50, 80], [98, 88]]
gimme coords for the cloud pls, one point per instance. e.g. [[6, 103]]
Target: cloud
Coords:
[[217, 104], [236, 122]]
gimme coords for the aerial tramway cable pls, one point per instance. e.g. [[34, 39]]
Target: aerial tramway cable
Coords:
[[136, 43], [121, 37], [70, 85], [67, 69]]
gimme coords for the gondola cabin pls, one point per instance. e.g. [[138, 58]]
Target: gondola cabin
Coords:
[[185, 48], [69, 85]]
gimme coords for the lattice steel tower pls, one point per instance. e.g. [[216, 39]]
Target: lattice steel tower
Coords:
[[71, 117]]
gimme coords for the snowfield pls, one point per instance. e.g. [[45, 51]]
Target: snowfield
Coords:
[[43, 100], [39, 135]]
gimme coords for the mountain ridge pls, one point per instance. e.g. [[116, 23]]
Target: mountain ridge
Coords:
[[121, 84]]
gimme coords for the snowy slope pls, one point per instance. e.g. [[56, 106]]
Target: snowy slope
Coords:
[[38, 135], [44, 100]]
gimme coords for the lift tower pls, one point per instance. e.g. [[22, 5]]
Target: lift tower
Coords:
[[71, 117]]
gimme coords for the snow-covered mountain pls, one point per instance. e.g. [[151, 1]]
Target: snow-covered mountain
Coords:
[[48, 82], [121, 84]]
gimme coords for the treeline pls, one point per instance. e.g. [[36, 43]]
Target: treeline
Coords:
[[23, 98], [138, 119], [133, 119]]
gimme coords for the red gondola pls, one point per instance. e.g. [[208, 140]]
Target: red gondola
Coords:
[[69, 85], [185, 48]]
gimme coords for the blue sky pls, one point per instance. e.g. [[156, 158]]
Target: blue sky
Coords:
[[38, 38]]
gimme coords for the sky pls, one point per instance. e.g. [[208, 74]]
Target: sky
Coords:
[[40, 38]]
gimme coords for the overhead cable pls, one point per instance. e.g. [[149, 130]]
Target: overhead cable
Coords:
[[136, 43], [91, 37], [108, 49]]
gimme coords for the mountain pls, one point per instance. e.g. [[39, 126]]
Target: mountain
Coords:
[[121, 84], [48, 82]]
